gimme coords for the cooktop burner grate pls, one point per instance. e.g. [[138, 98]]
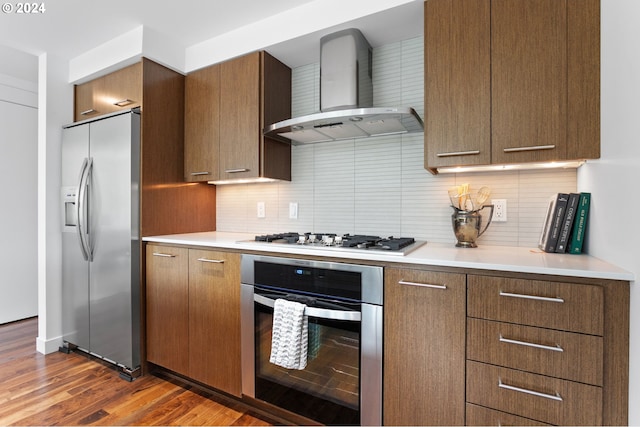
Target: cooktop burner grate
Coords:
[[356, 241]]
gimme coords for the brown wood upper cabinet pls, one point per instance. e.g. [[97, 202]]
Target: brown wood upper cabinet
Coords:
[[511, 81], [121, 89], [227, 107], [167, 206]]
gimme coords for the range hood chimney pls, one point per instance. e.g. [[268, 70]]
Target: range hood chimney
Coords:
[[346, 98]]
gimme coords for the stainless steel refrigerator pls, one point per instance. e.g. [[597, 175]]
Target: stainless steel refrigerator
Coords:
[[100, 193]]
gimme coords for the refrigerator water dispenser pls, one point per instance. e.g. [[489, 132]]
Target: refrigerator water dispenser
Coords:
[[70, 213]]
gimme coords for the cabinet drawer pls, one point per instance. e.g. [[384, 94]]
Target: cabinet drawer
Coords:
[[481, 416], [422, 279], [567, 355], [542, 398], [564, 306]]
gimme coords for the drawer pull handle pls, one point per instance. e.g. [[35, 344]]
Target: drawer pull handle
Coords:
[[533, 297], [459, 153], [530, 148], [424, 285], [87, 112], [531, 392], [238, 170], [215, 261], [199, 173], [530, 344], [163, 255]]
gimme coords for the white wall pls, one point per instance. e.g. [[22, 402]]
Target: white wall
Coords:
[[55, 104], [18, 173], [613, 180]]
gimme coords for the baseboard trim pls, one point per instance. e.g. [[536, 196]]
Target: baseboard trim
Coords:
[[47, 346]]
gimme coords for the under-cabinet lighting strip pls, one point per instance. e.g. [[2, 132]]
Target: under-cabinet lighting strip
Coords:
[[523, 166], [241, 181]]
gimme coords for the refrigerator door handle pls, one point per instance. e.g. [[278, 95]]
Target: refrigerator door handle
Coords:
[[82, 228]]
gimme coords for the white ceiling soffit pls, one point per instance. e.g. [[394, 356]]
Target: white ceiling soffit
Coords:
[[68, 28], [191, 34], [293, 36]]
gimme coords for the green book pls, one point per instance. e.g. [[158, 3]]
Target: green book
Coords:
[[580, 224]]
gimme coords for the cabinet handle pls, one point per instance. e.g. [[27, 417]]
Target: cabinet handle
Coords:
[[236, 170], [530, 344], [532, 392], [163, 255], [458, 153], [123, 102], [424, 285], [533, 297], [215, 261], [530, 148], [87, 112], [199, 173]]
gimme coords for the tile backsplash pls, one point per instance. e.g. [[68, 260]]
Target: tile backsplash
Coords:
[[379, 185]]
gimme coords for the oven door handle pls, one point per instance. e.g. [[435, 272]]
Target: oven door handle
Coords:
[[320, 313]]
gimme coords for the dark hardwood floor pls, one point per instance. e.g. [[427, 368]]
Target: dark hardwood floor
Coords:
[[73, 389]]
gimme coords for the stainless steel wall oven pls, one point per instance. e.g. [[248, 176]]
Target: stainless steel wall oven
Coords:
[[342, 382]]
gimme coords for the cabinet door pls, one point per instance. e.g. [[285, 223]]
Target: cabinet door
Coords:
[[123, 88], [214, 319], [240, 131], [99, 96], [424, 348], [457, 83], [167, 299], [202, 124], [528, 80], [84, 105]]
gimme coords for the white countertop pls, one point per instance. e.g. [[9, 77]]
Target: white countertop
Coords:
[[501, 258]]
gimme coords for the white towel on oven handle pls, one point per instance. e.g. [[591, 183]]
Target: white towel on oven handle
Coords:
[[289, 338]]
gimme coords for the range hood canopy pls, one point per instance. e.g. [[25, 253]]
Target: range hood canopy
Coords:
[[346, 98]]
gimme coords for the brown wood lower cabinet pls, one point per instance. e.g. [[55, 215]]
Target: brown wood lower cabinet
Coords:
[[193, 314], [214, 319], [467, 347], [424, 341], [167, 303], [546, 350]]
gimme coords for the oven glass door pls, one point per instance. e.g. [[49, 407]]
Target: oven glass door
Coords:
[[328, 388]]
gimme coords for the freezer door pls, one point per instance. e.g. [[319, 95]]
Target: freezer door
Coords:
[[75, 270], [114, 239]]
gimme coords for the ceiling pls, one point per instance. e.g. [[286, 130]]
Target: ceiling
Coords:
[[69, 28]]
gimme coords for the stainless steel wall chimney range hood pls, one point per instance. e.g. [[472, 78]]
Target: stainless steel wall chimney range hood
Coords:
[[346, 98]]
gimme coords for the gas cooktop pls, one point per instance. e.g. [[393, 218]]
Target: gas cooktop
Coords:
[[345, 242]]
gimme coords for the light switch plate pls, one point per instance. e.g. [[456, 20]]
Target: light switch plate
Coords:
[[293, 210]]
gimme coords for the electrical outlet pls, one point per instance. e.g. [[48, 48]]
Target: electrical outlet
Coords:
[[499, 210], [261, 210], [293, 210]]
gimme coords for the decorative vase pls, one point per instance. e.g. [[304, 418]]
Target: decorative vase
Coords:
[[467, 226]]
